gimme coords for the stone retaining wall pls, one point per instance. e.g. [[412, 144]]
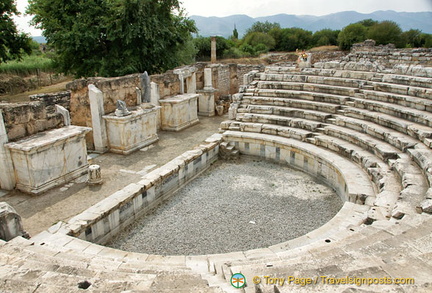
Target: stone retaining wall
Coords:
[[25, 119], [104, 220]]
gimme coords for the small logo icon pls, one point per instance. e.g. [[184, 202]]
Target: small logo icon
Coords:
[[238, 280]]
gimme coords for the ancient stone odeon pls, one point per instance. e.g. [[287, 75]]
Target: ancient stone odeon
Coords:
[[362, 124]]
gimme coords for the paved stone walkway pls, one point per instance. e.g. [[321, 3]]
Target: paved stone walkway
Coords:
[[62, 203]]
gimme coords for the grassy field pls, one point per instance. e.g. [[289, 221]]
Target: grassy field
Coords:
[[29, 65]]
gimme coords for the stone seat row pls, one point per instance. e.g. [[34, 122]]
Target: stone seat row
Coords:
[[314, 251], [417, 98], [380, 139], [414, 97], [393, 76], [397, 117], [313, 120], [368, 251], [55, 266], [377, 163], [354, 79]]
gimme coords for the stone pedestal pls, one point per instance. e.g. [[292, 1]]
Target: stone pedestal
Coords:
[[206, 102], [179, 112], [49, 159], [129, 133], [95, 176], [10, 223]]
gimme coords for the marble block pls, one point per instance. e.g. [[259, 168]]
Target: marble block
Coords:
[[49, 158], [179, 112], [206, 102], [130, 133]]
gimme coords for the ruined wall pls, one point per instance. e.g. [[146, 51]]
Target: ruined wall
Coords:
[[169, 83], [25, 119], [388, 55], [116, 88], [227, 78]]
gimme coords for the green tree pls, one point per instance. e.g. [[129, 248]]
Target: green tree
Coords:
[[257, 38], [290, 39], [368, 22], [262, 27], [325, 37], [413, 38], [386, 32], [235, 34], [351, 34], [203, 47], [113, 37], [13, 44]]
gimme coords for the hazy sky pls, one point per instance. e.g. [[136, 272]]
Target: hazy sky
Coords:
[[256, 8]]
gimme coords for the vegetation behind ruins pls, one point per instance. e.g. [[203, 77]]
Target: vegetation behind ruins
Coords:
[[114, 38], [263, 37]]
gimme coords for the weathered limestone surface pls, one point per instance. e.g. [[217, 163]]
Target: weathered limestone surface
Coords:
[[96, 98], [10, 223], [132, 132], [49, 159], [179, 112], [7, 178]]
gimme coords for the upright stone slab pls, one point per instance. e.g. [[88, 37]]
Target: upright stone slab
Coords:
[[49, 158], [98, 123], [155, 96], [179, 112], [146, 89], [65, 113], [7, 177], [208, 79], [10, 223], [206, 102]]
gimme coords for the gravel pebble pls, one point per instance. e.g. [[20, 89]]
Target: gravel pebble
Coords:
[[234, 205]]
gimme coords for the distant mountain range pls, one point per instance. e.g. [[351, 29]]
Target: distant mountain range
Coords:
[[224, 26]]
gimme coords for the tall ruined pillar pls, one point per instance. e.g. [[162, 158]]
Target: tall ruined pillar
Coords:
[[213, 49], [98, 123]]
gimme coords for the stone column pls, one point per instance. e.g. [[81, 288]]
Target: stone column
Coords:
[[155, 96], [208, 79], [139, 95], [95, 176], [7, 174], [98, 123], [207, 95], [182, 85], [213, 50], [191, 84]]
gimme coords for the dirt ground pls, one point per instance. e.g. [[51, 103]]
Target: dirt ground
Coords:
[[62, 203]]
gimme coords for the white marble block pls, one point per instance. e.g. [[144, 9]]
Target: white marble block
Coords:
[[7, 178], [129, 133], [98, 124], [206, 104], [49, 158], [179, 112]]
